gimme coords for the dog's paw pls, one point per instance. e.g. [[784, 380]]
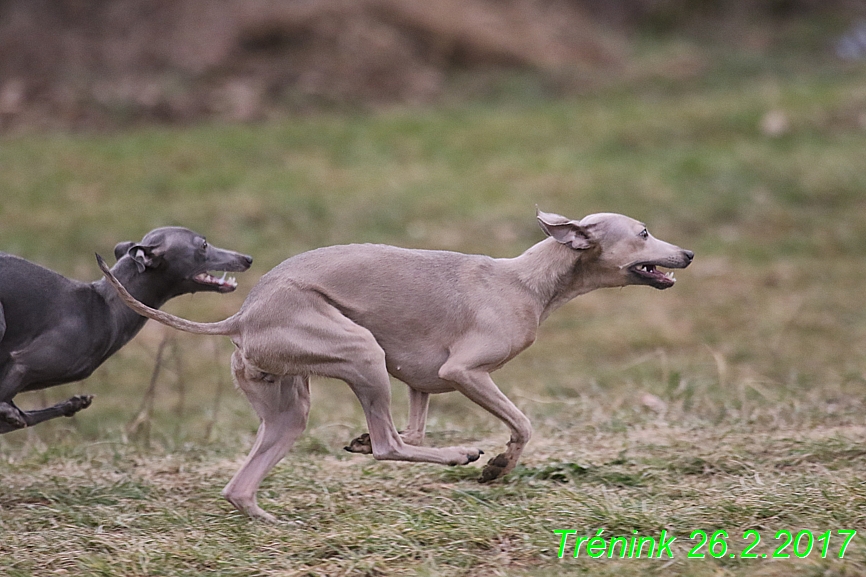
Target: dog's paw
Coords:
[[494, 469], [77, 403], [361, 445], [474, 455], [249, 507], [464, 456]]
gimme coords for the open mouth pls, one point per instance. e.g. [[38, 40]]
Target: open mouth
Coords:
[[222, 284], [651, 275]]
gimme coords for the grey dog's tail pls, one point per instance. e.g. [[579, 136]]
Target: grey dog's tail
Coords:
[[224, 327]]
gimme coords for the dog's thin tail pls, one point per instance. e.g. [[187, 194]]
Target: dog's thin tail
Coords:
[[224, 327]]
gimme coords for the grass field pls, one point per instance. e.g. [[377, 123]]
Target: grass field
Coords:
[[734, 401]]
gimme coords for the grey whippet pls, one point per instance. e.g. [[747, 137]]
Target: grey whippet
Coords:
[[438, 321], [55, 330]]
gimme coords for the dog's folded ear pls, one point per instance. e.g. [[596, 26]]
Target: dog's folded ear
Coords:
[[122, 248], [143, 255], [564, 230]]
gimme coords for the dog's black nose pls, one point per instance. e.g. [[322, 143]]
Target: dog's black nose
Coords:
[[249, 260], [689, 255]]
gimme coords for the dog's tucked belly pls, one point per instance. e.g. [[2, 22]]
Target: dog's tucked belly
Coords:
[[419, 377], [433, 386]]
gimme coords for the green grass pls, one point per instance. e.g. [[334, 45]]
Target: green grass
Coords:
[[733, 401]]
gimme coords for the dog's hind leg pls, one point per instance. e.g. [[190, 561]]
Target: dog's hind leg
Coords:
[[66, 408], [13, 379], [283, 404], [2, 323], [12, 376], [11, 418], [414, 432]]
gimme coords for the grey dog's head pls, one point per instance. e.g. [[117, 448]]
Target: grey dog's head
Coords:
[[184, 257]]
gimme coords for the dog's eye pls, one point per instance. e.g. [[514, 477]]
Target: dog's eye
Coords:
[[204, 245], [644, 234]]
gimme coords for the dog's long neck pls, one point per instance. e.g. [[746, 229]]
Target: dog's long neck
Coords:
[[553, 274], [125, 323]]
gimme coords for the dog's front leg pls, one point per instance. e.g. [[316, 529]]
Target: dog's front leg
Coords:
[[480, 388], [418, 403]]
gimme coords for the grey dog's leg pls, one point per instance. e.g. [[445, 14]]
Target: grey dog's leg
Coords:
[[65, 408], [12, 376], [13, 418]]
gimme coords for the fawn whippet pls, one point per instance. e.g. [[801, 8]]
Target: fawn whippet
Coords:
[[438, 321]]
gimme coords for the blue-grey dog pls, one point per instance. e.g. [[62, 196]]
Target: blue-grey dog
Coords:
[[54, 330]]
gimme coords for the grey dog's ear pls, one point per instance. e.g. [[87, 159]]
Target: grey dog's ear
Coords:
[[143, 255], [563, 230], [122, 248]]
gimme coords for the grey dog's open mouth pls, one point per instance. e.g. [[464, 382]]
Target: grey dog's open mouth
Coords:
[[222, 284], [650, 274]]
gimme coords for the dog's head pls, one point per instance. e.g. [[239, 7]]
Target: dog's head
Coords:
[[621, 248], [185, 259]]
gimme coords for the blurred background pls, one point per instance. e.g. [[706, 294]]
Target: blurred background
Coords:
[[100, 63]]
